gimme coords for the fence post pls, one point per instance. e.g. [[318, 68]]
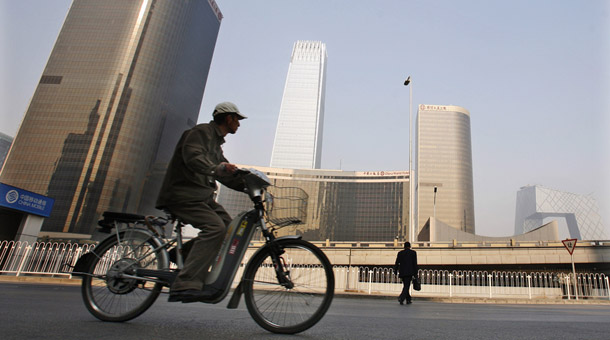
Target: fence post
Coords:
[[450, 292], [568, 285], [608, 287], [25, 256], [576, 287], [370, 280], [347, 279], [489, 277], [529, 286]]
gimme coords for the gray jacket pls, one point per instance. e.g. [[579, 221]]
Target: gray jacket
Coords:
[[191, 174]]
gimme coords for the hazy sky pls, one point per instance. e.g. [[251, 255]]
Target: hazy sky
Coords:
[[533, 74]]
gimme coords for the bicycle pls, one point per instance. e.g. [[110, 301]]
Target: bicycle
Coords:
[[288, 284]]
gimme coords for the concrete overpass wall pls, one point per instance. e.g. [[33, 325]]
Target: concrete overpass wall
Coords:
[[464, 254]]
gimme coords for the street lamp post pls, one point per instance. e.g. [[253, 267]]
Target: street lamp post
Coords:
[[434, 204], [411, 229]]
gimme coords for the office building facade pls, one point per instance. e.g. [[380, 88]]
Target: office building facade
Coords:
[[5, 145], [124, 80], [341, 205], [443, 167], [298, 136]]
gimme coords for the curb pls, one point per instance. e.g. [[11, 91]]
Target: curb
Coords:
[[479, 300], [355, 295], [40, 279]]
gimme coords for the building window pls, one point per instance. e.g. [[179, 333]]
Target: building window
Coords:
[[51, 80]]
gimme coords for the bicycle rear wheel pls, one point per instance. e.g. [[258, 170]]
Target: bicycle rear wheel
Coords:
[[296, 306], [107, 294]]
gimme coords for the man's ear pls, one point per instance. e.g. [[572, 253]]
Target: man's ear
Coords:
[[228, 118]]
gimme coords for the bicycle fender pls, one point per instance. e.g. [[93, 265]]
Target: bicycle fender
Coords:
[[83, 264], [289, 237]]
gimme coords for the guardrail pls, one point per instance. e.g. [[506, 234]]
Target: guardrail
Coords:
[[53, 259], [42, 258], [494, 284], [509, 243]]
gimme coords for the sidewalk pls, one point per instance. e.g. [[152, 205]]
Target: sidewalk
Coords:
[[352, 294], [465, 299]]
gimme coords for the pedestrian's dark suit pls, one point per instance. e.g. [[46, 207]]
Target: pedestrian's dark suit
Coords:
[[406, 265]]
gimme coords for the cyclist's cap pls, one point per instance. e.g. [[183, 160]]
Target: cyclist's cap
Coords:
[[228, 107]]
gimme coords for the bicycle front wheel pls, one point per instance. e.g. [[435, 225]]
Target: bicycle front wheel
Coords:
[[111, 296], [300, 301]]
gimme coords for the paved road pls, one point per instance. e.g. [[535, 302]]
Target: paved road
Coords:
[[35, 311]]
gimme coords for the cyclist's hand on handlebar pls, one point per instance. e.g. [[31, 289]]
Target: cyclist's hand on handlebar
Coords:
[[242, 171], [225, 169]]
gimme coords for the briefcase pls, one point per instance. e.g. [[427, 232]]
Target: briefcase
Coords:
[[416, 283]]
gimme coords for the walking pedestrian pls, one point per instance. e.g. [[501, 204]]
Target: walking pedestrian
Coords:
[[406, 266]]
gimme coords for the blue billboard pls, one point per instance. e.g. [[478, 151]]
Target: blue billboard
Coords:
[[26, 201]]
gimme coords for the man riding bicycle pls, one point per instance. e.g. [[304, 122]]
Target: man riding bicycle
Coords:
[[188, 193]]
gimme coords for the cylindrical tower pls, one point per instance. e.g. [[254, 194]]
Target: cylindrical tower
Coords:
[[444, 161]]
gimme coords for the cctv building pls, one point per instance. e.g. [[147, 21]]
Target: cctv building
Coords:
[[342, 205], [536, 203], [443, 167], [298, 137], [123, 81]]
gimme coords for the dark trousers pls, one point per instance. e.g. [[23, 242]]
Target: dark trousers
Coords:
[[211, 218], [406, 284]]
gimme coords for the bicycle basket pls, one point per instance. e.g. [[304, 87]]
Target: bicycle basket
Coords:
[[286, 206]]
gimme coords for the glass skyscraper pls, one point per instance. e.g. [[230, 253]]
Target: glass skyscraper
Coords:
[[298, 137], [443, 170], [5, 145], [123, 81]]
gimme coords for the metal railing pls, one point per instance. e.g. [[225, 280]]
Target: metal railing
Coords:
[[40, 258], [482, 284], [454, 244], [55, 259]]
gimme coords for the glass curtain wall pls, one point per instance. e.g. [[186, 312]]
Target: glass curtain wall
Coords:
[[123, 81], [298, 137]]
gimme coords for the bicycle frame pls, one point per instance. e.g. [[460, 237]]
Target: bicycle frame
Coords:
[[228, 261], [232, 251]]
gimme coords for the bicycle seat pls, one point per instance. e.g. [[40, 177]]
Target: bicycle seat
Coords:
[[110, 217], [171, 216]]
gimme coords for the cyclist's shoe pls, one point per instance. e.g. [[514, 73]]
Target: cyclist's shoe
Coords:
[[180, 295], [189, 295]]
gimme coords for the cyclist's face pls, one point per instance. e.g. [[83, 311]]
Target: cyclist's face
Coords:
[[232, 124]]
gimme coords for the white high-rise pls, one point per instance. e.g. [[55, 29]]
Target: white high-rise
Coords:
[[298, 137], [443, 156]]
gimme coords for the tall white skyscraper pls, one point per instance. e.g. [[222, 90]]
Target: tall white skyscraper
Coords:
[[298, 137]]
